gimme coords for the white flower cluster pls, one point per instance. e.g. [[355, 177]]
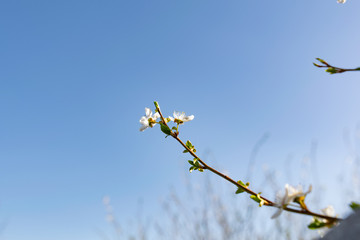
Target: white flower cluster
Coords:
[[149, 120], [180, 117], [285, 198]]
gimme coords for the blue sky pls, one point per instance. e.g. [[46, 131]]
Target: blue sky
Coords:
[[76, 76]]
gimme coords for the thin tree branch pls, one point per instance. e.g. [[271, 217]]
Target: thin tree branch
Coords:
[[332, 69], [245, 189]]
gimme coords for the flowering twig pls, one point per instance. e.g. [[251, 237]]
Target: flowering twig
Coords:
[[283, 202], [331, 69]]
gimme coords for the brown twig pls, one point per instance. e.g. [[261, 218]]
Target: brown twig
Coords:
[[332, 69], [245, 189]]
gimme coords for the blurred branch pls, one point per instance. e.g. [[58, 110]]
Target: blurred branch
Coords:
[[332, 69]]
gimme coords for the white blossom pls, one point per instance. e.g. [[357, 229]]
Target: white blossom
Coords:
[[328, 211], [285, 198], [341, 1], [149, 120], [180, 117]]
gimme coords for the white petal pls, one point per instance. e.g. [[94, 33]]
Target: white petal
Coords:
[[328, 211], [309, 191], [143, 127], [279, 198], [156, 116], [277, 213], [293, 192], [148, 112], [182, 115], [188, 118], [176, 115], [290, 190], [144, 121]]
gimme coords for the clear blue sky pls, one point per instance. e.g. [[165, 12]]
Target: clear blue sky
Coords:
[[75, 77]]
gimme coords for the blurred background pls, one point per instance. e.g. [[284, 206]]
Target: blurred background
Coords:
[[75, 77]]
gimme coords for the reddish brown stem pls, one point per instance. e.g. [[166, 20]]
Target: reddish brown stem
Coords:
[[246, 189]]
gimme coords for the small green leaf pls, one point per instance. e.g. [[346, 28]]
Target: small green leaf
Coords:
[[243, 184], [331, 70], [316, 65], [165, 129], [316, 224], [355, 206], [239, 190], [257, 198], [201, 170], [191, 162], [320, 60], [188, 144], [185, 151], [192, 168], [357, 69], [174, 128]]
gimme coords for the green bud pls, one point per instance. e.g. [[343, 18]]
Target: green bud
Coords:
[[156, 105], [355, 206], [322, 61]]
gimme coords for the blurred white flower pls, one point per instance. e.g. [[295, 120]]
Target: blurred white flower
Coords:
[[110, 218], [284, 198], [341, 1], [180, 117], [328, 211], [106, 200], [149, 120]]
